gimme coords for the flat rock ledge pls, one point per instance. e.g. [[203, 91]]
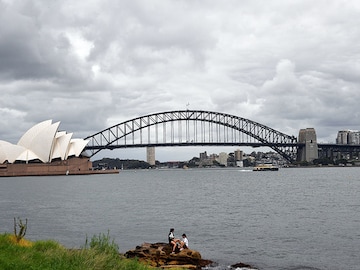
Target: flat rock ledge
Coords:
[[159, 255]]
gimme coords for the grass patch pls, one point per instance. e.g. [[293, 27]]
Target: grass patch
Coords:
[[98, 253]]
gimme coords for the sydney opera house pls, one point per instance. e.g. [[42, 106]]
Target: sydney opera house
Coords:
[[44, 150]]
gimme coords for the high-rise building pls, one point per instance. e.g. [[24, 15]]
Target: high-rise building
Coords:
[[354, 137], [223, 157], [203, 156], [238, 155], [348, 137], [342, 137]]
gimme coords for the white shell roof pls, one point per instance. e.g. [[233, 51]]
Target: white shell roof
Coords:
[[77, 146], [43, 142], [9, 152], [61, 145]]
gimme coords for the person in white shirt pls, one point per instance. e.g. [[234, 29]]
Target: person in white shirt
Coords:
[[184, 243]]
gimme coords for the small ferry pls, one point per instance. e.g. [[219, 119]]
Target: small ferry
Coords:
[[265, 167]]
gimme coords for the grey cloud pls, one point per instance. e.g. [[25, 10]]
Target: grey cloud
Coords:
[[286, 65]]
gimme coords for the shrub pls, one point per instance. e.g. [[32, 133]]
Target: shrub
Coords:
[[22, 229], [102, 243]]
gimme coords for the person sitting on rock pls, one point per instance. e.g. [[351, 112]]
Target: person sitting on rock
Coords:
[[184, 243], [172, 240]]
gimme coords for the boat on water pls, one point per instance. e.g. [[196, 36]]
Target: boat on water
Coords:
[[265, 167]]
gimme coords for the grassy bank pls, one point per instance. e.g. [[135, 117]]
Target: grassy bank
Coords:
[[98, 253]]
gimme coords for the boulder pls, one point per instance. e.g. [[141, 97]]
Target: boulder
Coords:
[[160, 255], [241, 265]]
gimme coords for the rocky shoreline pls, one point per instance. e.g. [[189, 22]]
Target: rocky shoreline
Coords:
[[160, 255]]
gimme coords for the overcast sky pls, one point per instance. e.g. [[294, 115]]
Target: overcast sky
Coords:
[[92, 64]]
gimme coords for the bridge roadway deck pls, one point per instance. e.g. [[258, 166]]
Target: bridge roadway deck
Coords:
[[111, 147], [339, 147]]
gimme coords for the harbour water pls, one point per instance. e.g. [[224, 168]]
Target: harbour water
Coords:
[[303, 218]]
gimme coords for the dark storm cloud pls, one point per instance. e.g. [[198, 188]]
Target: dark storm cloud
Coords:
[[92, 64]]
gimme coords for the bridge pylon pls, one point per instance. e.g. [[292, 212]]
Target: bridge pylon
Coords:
[[309, 149]]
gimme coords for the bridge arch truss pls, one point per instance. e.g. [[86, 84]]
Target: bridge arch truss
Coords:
[[191, 128]]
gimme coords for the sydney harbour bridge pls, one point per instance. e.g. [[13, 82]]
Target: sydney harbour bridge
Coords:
[[207, 128]]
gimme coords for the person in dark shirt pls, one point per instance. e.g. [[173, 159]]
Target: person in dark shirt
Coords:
[[172, 240]]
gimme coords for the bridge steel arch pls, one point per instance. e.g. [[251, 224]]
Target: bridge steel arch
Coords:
[[192, 128]]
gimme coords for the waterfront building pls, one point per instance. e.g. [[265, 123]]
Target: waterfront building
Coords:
[[223, 157], [203, 156], [42, 143], [238, 155], [43, 150]]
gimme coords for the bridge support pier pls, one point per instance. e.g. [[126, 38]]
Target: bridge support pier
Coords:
[[309, 151]]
